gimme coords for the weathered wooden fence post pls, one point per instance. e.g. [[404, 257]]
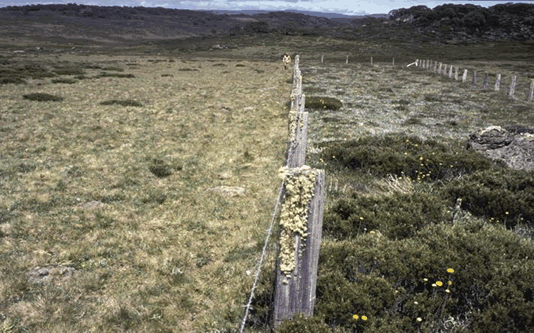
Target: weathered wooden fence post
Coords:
[[485, 81], [435, 66], [456, 73], [512, 86], [464, 76], [301, 220], [296, 281], [498, 82], [439, 69], [530, 95], [347, 61], [371, 61], [393, 62], [450, 72], [474, 76]]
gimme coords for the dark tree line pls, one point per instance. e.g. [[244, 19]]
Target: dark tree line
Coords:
[[469, 16]]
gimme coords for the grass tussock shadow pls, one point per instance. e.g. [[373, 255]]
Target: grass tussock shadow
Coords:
[[119, 75]]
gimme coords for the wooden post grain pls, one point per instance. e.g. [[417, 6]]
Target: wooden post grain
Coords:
[[512, 86], [464, 76], [296, 294], [296, 151], [530, 95], [498, 82]]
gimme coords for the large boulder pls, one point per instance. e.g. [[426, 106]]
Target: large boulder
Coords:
[[513, 145]]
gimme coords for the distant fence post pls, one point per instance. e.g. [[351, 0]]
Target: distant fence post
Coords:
[[435, 66], [439, 69], [456, 73], [530, 95], [498, 82], [512, 86], [322, 59], [485, 81], [371, 61], [450, 72], [347, 61], [296, 269], [474, 76], [464, 76], [393, 62]]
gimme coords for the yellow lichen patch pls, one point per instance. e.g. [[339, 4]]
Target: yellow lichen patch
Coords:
[[299, 186]]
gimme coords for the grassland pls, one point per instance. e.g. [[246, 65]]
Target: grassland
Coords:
[[111, 218], [110, 215]]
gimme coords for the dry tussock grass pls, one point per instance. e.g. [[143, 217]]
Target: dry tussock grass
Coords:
[[150, 253]]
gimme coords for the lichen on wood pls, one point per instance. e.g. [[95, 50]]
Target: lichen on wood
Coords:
[[299, 190]]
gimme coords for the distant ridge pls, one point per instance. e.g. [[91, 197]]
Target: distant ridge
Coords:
[[310, 13]]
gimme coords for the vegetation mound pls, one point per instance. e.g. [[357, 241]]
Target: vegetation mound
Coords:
[[42, 97], [404, 156], [328, 103]]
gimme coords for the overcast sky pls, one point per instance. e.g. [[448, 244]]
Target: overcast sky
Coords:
[[349, 7]]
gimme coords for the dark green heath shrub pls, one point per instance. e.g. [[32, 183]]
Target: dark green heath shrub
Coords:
[[470, 276], [403, 155], [301, 324], [396, 216], [504, 196]]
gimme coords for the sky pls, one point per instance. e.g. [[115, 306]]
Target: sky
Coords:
[[348, 7]]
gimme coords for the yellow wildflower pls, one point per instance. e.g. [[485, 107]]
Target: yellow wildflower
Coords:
[[439, 283], [450, 270], [355, 317], [364, 317]]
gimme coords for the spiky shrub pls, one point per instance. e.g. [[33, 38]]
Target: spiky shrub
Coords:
[[42, 97], [403, 155], [328, 103], [470, 276], [504, 196]]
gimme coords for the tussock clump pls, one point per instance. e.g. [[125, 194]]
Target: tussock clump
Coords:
[[112, 68], [42, 97], [328, 103], [128, 76], [67, 81], [504, 196], [404, 156], [161, 169], [396, 216], [188, 70], [69, 71], [127, 102], [446, 271], [13, 80]]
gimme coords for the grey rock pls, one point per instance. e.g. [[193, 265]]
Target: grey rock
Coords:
[[514, 146]]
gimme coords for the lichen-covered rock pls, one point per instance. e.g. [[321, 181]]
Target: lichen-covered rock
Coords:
[[514, 147]]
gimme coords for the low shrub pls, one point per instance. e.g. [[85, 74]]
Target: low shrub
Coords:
[[396, 216], [127, 102], [301, 324], [13, 80], [67, 81], [448, 277], [403, 155], [42, 97], [69, 71], [119, 75], [328, 103], [503, 196]]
